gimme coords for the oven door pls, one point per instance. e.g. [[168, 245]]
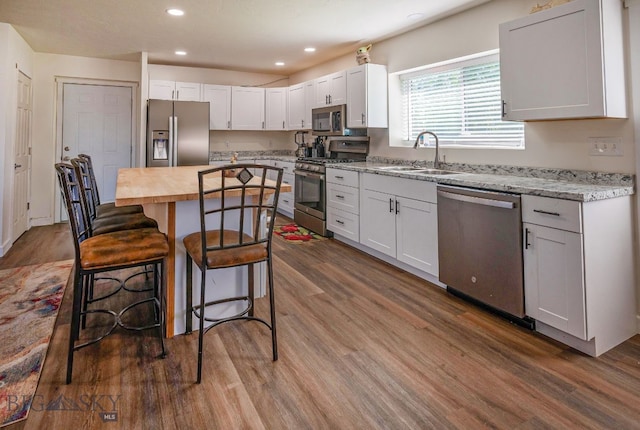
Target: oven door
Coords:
[[310, 193]]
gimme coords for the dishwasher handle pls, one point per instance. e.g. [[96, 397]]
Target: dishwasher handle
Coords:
[[477, 200]]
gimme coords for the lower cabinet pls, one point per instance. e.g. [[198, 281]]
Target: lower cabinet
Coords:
[[399, 219], [579, 270], [343, 203], [285, 202]]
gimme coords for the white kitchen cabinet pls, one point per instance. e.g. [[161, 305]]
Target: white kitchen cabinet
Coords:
[[331, 89], [172, 90], [367, 96], [247, 108], [276, 108], [564, 62], [399, 218], [219, 98], [578, 270], [343, 203], [285, 202], [301, 101]]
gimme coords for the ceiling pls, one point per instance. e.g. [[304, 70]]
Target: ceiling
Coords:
[[243, 35]]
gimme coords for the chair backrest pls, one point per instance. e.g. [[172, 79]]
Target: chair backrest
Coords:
[[74, 200], [83, 171], [92, 176], [236, 198]]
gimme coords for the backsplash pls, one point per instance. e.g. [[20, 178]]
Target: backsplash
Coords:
[[574, 176]]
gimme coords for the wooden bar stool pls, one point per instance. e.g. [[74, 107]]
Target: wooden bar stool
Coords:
[[236, 227], [108, 252]]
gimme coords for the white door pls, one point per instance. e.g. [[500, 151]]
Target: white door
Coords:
[[22, 157], [378, 227], [417, 234], [97, 120]]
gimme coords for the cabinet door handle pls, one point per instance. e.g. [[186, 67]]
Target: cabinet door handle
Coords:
[[302, 123], [229, 125], [526, 239], [283, 125], [397, 207], [177, 94], [263, 124], [540, 211], [326, 99], [391, 205], [363, 119], [329, 98], [504, 108]]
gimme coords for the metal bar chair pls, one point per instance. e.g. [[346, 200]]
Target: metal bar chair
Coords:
[[236, 228], [108, 252]]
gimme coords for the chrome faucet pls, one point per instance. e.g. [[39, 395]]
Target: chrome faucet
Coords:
[[436, 162]]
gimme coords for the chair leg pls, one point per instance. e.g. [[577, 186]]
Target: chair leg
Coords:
[[74, 328], [201, 332], [189, 303], [272, 308], [87, 295], [251, 294], [159, 286]]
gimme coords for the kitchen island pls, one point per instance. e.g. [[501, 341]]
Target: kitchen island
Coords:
[[170, 196]]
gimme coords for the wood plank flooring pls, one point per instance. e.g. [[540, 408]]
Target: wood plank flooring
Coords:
[[362, 345]]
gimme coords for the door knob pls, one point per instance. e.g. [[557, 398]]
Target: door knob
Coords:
[[65, 158], [66, 148], [17, 166]]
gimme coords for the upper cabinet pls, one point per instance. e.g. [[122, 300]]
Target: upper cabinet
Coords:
[[247, 108], [219, 98], [367, 96], [276, 108], [301, 101], [563, 63], [172, 90], [331, 90]]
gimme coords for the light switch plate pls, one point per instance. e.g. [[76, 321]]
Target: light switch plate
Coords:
[[606, 146]]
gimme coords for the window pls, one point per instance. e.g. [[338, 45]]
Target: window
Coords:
[[460, 102]]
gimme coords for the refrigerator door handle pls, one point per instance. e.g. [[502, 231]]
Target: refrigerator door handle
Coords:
[[171, 142], [175, 139]]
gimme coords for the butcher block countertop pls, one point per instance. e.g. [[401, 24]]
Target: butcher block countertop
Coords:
[[143, 185]]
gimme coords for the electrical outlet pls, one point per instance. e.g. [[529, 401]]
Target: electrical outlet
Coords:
[[607, 146]]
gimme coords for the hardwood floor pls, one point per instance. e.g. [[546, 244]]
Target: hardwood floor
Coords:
[[361, 344]]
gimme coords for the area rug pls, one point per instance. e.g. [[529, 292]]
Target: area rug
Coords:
[[30, 297], [295, 233]]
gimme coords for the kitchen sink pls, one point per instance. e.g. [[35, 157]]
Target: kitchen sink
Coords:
[[400, 168], [434, 172]]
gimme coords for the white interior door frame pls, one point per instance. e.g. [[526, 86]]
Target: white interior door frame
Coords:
[[60, 82]]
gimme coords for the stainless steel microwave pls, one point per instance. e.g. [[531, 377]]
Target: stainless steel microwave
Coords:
[[329, 121]]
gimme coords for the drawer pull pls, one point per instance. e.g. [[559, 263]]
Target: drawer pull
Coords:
[[540, 211], [338, 196], [340, 222], [339, 177]]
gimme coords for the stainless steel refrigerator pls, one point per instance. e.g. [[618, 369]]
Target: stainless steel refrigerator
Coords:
[[177, 133]]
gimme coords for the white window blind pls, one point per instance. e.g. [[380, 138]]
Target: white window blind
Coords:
[[461, 103]]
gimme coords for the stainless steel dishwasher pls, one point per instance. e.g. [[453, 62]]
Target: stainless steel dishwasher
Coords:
[[480, 248]]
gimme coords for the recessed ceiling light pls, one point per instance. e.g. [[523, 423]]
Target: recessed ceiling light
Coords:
[[415, 16], [279, 63], [175, 12], [181, 52], [310, 49]]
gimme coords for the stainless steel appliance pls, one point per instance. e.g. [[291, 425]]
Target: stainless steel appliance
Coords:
[[310, 208], [177, 133], [329, 121], [480, 248]]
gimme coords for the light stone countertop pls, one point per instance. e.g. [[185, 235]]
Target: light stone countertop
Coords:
[[598, 188], [583, 186]]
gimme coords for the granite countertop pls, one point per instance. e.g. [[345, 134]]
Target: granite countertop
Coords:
[[585, 186]]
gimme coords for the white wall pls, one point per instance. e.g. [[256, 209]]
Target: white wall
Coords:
[[15, 55], [553, 144]]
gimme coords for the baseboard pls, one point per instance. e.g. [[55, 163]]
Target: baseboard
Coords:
[[638, 324], [39, 222]]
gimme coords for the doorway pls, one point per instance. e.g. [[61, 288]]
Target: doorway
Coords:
[[22, 157], [96, 119]]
